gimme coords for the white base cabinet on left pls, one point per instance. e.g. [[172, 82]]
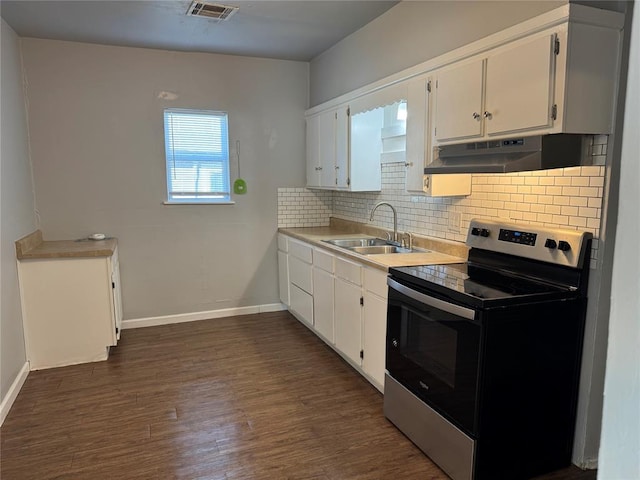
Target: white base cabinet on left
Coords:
[[341, 301], [72, 309]]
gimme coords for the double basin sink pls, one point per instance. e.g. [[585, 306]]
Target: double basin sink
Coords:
[[370, 246]]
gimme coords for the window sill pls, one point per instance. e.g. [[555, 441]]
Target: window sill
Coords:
[[229, 202]]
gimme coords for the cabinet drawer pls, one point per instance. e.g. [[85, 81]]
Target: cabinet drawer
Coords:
[[302, 304], [283, 244], [323, 260], [375, 281], [349, 271], [301, 274], [301, 251]]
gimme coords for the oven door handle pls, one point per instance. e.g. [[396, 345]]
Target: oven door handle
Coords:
[[434, 302]]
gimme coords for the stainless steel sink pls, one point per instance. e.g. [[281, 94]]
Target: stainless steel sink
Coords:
[[371, 246], [379, 249], [356, 242]]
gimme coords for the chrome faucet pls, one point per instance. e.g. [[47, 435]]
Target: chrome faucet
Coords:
[[395, 218]]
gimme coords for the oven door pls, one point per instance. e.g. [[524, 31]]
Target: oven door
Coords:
[[433, 351]]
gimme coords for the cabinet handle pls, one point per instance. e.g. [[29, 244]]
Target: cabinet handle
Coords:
[[486, 114], [337, 167], [476, 115], [318, 169], [408, 164]]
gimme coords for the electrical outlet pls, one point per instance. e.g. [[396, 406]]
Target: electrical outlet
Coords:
[[454, 222]]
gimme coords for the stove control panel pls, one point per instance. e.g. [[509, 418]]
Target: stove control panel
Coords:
[[517, 236], [553, 245]]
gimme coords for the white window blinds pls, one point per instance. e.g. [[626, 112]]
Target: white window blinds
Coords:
[[197, 155]]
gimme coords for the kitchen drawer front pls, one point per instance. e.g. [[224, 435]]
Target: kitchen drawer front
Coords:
[[323, 260], [301, 274], [375, 281], [301, 304], [301, 250], [283, 244], [349, 271]]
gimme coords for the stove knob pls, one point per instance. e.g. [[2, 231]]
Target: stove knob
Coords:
[[484, 232], [475, 231], [564, 246], [551, 243]]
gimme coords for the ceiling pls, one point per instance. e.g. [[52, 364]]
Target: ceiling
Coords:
[[290, 30]]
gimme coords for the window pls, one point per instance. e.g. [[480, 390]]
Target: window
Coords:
[[197, 154]]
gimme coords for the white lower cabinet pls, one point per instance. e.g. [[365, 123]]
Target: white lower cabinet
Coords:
[[342, 301], [283, 269], [323, 295], [72, 309], [301, 304], [348, 318], [374, 325], [300, 273]]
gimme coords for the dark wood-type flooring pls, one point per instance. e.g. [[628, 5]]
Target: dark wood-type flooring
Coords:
[[249, 397]]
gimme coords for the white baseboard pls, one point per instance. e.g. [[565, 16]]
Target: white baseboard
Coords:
[[195, 316], [14, 390]]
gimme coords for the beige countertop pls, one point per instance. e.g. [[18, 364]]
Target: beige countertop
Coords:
[[438, 251], [34, 247]]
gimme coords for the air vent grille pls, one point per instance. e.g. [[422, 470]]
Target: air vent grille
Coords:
[[215, 11]]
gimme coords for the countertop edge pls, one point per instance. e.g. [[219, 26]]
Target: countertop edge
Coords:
[[33, 247], [310, 235]]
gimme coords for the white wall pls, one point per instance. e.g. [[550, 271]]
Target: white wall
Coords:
[[97, 145], [411, 33], [620, 444], [16, 206]]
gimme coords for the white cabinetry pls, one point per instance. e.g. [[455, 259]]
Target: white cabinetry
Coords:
[[283, 269], [558, 80], [72, 309], [344, 303], [418, 144], [301, 280], [323, 294], [328, 149], [374, 325], [348, 309]]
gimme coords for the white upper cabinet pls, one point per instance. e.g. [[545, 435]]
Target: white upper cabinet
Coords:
[[508, 90], [559, 80], [322, 151], [459, 95], [519, 87], [418, 141]]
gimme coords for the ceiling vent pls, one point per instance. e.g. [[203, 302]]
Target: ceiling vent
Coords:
[[215, 11]]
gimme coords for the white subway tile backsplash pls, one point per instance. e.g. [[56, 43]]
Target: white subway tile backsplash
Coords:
[[566, 197]]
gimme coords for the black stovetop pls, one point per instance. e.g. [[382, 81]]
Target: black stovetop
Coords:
[[478, 286]]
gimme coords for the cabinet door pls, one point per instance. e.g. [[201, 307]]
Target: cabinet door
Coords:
[[418, 144], [348, 322], [327, 148], [283, 277], [374, 336], [342, 148], [519, 92], [313, 151], [459, 102], [323, 303], [117, 297], [301, 304]]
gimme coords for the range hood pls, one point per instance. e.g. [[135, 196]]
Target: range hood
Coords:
[[538, 152]]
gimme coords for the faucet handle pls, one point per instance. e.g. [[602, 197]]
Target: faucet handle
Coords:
[[407, 240], [388, 234]]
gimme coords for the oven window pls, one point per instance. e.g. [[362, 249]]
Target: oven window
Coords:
[[430, 345]]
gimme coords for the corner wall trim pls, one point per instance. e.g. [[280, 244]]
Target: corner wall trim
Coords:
[[196, 316], [12, 393]]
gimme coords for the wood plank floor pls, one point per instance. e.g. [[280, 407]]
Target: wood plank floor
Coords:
[[250, 397]]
